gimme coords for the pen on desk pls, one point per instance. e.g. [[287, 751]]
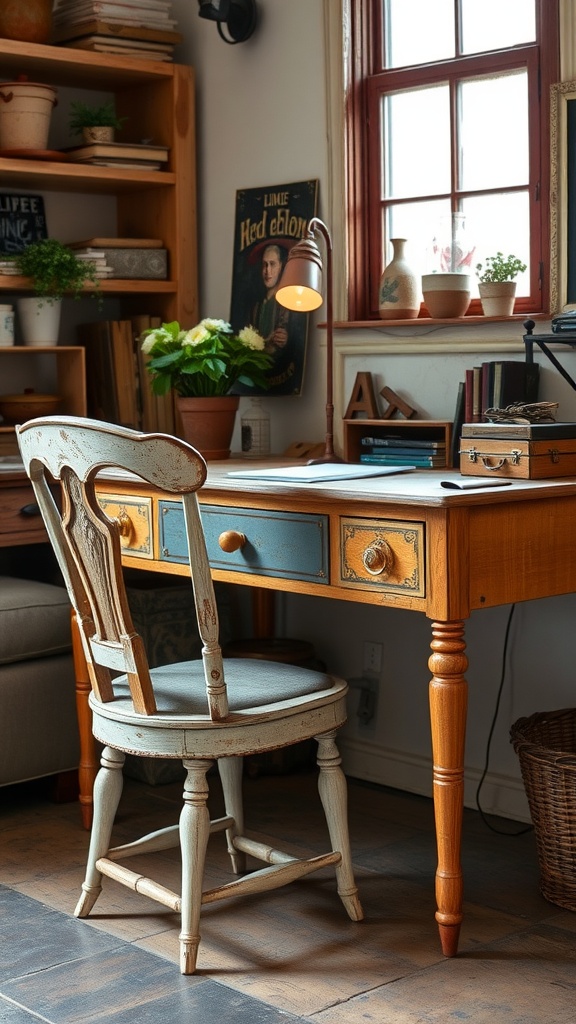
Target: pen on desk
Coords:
[[468, 485]]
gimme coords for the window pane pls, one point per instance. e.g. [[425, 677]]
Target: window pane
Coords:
[[496, 24], [416, 143], [493, 127], [500, 223], [417, 31], [418, 223]]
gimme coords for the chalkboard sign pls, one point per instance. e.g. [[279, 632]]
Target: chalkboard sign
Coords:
[[22, 221]]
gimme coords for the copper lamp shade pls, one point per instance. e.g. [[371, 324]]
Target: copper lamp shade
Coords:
[[301, 290]]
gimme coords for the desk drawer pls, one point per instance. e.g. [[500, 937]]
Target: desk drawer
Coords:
[[135, 517], [385, 555], [20, 513], [282, 544]]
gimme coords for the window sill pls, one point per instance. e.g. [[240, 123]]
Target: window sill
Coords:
[[426, 321]]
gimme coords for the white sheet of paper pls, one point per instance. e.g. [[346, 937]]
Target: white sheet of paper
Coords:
[[318, 473]]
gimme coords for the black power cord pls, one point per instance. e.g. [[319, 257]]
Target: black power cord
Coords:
[[500, 832]]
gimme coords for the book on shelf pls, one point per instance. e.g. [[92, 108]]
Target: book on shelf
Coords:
[[118, 151], [152, 21], [457, 425], [111, 371], [66, 32], [402, 452], [128, 47], [117, 243], [499, 383], [157, 411], [403, 442], [421, 460], [521, 431]]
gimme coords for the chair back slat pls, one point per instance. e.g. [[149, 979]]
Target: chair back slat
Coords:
[[72, 450]]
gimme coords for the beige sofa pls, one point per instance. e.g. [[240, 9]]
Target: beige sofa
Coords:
[[38, 724]]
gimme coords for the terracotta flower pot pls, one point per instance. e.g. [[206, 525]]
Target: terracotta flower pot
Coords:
[[208, 423], [446, 295], [497, 297]]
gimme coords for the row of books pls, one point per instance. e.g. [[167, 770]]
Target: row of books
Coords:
[[396, 451], [496, 384], [118, 383], [132, 28]]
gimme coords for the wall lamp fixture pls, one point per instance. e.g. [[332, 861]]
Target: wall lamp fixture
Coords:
[[238, 16]]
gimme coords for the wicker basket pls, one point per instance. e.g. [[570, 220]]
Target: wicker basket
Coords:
[[546, 746]]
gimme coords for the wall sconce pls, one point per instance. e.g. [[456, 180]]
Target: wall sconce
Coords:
[[239, 17], [301, 290]]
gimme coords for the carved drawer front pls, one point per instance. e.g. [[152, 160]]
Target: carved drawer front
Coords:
[[282, 544], [135, 518], [383, 555]]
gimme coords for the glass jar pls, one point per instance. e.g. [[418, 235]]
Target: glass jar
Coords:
[[255, 430]]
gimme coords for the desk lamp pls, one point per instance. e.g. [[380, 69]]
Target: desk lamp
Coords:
[[301, 290]]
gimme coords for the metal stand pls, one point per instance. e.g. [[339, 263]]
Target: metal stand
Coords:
[[541, 340]]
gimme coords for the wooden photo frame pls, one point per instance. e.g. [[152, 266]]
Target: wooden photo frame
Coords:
[[563, 197]]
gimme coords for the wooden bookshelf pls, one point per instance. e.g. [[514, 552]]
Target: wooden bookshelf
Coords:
[[416, 430]]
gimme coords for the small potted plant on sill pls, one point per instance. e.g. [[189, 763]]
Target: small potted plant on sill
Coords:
[[95, 124], [201, 366], [54, 271], [497, 284]]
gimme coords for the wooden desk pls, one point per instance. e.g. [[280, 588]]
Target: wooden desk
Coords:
[[399, 541]]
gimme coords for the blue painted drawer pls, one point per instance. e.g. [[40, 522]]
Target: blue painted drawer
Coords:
[[283, 544]]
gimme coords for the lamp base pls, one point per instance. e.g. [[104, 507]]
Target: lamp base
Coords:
[[325, 459]]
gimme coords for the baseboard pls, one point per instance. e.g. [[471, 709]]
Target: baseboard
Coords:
[[500, 794]]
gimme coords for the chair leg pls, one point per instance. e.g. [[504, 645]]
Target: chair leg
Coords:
[[230, 769], [194, 834], [334, 796], [107, 793]]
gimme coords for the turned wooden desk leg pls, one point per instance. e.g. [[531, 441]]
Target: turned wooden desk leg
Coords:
[[88, 759], [448, 704]]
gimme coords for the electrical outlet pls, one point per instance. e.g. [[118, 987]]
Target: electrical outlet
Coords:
[[372, 663], [366, 688]]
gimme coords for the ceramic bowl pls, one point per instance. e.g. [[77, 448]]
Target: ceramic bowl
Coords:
[[19, 408]]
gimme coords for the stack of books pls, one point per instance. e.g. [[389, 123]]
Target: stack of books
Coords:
[[135, 28], [103, 269], [403, 451], [8, 267], [120, 154]]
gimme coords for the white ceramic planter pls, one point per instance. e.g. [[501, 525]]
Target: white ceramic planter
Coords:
[[497, 297], [446, 295], [39, 320], [25, 112]]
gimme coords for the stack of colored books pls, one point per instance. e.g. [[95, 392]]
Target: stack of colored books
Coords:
[[403, 451]]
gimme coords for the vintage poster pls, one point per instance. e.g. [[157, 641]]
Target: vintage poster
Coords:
[[268, 222]]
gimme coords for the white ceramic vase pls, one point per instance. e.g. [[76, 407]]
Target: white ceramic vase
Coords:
[[39, 320], [399, 293]]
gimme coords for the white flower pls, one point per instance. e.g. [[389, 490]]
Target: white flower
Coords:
[[148, 343], [250, 337], [196, 335], [215, 325]]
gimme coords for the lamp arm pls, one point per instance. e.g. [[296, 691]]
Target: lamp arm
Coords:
[[318, 225]]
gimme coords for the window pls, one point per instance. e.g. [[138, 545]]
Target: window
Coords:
[[449, 113]]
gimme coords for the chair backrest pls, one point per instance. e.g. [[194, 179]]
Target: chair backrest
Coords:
[[73, 450]]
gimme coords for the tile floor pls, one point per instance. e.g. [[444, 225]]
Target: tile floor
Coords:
[[291, 955]]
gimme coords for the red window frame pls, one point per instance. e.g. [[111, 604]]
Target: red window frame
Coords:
[[367, 80]]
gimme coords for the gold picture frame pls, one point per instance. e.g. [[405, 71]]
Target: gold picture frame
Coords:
[[562, 197]]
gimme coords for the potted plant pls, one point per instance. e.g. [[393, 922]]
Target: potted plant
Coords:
[[94, 124], [201, 366], [55, 271], [497, 284]]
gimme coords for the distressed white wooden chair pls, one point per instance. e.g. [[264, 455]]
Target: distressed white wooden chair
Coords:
[[198, 711]]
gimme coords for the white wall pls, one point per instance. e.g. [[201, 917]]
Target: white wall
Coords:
[[262, 120]]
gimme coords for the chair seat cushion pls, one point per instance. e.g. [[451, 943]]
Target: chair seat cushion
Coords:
[[253, 684], [34, 620]]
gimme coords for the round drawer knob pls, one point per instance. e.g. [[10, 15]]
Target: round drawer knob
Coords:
[[231, 540], [378, 558], [125, 527]]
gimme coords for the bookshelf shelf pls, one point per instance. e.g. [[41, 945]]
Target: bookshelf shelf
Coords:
[[415, 430], [157, 100], [62, 365]]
